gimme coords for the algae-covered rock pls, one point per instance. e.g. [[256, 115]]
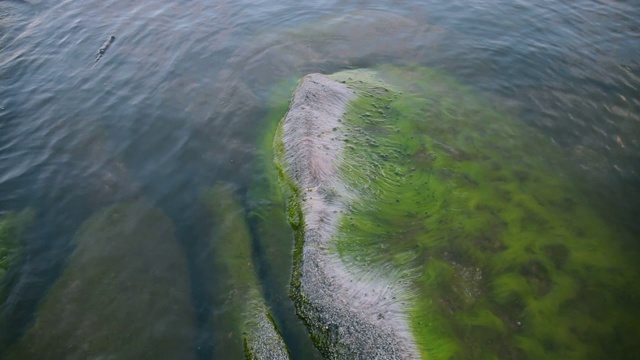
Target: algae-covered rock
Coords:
[[273, 237], [350, 314], [242, 315], [11, 228], [265, 198], [429, 225], [123, 295]]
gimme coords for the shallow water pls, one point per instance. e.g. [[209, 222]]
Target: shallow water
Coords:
[[177, 102]]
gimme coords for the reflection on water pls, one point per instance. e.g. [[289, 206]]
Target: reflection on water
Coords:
[[177, 102]]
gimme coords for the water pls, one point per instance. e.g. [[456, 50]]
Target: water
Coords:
[[175, 104]]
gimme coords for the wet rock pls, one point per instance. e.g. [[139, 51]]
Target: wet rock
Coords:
[[273, 236]]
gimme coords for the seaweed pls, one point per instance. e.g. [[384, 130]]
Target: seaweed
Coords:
[[484, 216]]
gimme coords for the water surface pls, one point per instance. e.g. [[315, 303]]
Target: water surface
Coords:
[[177, 102]]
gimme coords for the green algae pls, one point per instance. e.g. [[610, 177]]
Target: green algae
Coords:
[[270, 227], [267, 208], [507, 257], [270, 210], [123, 294], [242, 315], [290, 193], [12, 228], [12, 225]]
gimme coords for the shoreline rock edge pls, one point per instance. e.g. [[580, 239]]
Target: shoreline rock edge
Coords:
[[350, 312]]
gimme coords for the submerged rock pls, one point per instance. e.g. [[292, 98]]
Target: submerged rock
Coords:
[[273, 237], [429, 225], [12, 226], [123, 295], [350, 314], [241, 316]]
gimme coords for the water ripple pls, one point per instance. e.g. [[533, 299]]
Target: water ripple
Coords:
[[176, 102]]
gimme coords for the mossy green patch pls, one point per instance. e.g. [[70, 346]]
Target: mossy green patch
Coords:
[[270, 219], [11, 240], [123, 294], [241, 315], [508, 259]]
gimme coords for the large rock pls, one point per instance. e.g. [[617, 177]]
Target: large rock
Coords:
[[241, 316], [125, 293], [11, 241], [429, 225]]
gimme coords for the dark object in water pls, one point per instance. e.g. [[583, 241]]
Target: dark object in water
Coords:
[[104, 47]]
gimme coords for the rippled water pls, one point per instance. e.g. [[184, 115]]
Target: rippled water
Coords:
[[176, 103]]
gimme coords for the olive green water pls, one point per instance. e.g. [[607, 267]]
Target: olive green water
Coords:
[[177, 102], [106, 303], [508, 258]]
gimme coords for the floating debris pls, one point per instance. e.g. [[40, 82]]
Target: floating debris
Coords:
[[104, 47]]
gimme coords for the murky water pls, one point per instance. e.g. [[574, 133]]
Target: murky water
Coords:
[[177, 101]]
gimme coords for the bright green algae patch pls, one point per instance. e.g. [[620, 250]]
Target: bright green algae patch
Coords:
[[508, 259], [124, 293], [241, 313]]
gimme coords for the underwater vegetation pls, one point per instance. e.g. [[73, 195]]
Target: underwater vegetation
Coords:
[[123, 294], [12, 227], [266, 206], [11, 233], [272, 234], [416, 197], [241, 313]]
